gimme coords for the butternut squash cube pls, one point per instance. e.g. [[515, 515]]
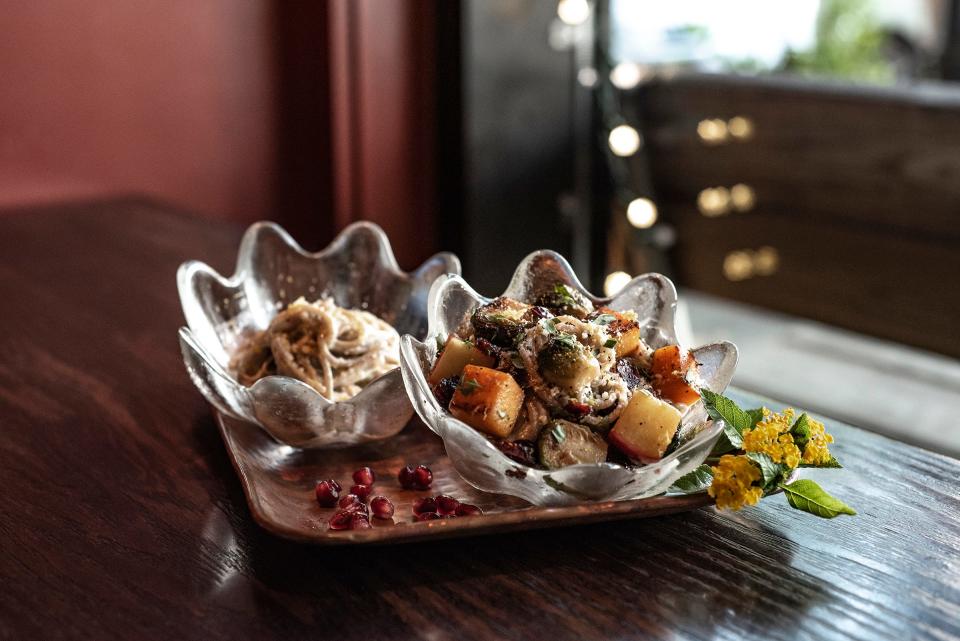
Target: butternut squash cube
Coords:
[[487, 400], [645, 428], [669, 368], [456, 354]]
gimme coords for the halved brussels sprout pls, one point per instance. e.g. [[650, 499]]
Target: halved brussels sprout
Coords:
[[563, 443], [501, 320], [564, 300], [566, 363]]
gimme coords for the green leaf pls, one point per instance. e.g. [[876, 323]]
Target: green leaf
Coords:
[[723, 446], [735, 419], [604, 319], [469, 386], [833, 463], [772, 472], [558, 434], [801, 431], [696, 481], [755, 416], [808, 496]]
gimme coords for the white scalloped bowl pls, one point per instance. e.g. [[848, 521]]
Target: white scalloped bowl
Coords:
[[654, 298], [359, 271]]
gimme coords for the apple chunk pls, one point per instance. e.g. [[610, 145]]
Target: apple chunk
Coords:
[[487, 400], [645, 428], [456, 355], [670, 366]]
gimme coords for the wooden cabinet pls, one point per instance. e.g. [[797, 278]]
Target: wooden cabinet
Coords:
[[849, 199]]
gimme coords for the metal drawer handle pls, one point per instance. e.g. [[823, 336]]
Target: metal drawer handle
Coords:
[[719, 201], [717, 131], [743, 264]]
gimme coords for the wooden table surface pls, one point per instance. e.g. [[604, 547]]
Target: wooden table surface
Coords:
[[121, 517]]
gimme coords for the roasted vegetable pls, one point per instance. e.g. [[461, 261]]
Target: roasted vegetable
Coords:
[[564, 443], [456, 354], [623, 328], [487, 400], [501, 320], [565, 300], [566, 363], [645, 428], [670, 368]]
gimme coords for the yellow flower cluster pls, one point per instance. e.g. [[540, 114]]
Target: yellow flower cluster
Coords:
[[815, 452], [772, 436], [733, 480]]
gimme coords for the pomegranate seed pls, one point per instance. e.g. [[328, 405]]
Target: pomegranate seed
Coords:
[[350, 501], [424, 505], [406, 478], [362, 491], [447, 504], [328, 492], [381, 507], [428, 516], [360, 522], [465, 509], [340, 520], [364, 476], [422, 477]]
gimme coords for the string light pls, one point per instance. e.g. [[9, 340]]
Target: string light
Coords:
[[713, 131], [626, 75], [742, 197], [740, 127], [642, 213], [714, 201], [573, 12], [587, 77], [624, 140], [614, 282]]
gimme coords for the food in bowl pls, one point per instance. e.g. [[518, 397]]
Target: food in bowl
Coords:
[[335, 350], [556, 381]]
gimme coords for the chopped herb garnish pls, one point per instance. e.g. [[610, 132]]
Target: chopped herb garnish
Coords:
[[549, 325], [567, 340], [561, 290], [516, 360], [558, 434], [604, 319], [611, 342], [440, 344], [469, 386]]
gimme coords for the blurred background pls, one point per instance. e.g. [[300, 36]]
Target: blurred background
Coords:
[[794, 167]]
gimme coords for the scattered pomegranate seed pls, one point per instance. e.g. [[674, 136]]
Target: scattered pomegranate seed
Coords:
[[328, 492], [362, 491], [446, 504], [341, 520], [406, 478], [428, 516], [424, 505], [364, 476], [422, 477], [360, 522], [465, 509], [381, 507], [350, 501]]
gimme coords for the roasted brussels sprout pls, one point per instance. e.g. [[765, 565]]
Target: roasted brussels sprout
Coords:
[[564, 443], [564, 362], [564, 300], [501, 320]]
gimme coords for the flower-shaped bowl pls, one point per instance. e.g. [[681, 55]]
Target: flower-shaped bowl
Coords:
[[653, 297], [358, 270]]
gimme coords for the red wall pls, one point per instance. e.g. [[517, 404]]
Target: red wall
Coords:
[[174, 98]]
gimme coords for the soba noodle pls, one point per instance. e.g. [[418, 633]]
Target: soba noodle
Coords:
[[334, 350]]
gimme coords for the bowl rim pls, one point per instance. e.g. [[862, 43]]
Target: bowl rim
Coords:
[[189, 269]]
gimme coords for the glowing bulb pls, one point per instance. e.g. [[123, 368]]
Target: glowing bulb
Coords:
[[587, 77], [626, 75], [712, 132], [614, 282], [740, 127], [738, 265], [742, 197], [642, 213], [766, 260], [573, 12], [624, 140], [714, 201]]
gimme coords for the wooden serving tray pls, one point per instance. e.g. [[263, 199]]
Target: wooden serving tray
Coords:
[[278, 481]]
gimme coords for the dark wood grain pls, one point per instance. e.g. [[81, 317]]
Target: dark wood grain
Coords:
[[855, 187], [121, 517]]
